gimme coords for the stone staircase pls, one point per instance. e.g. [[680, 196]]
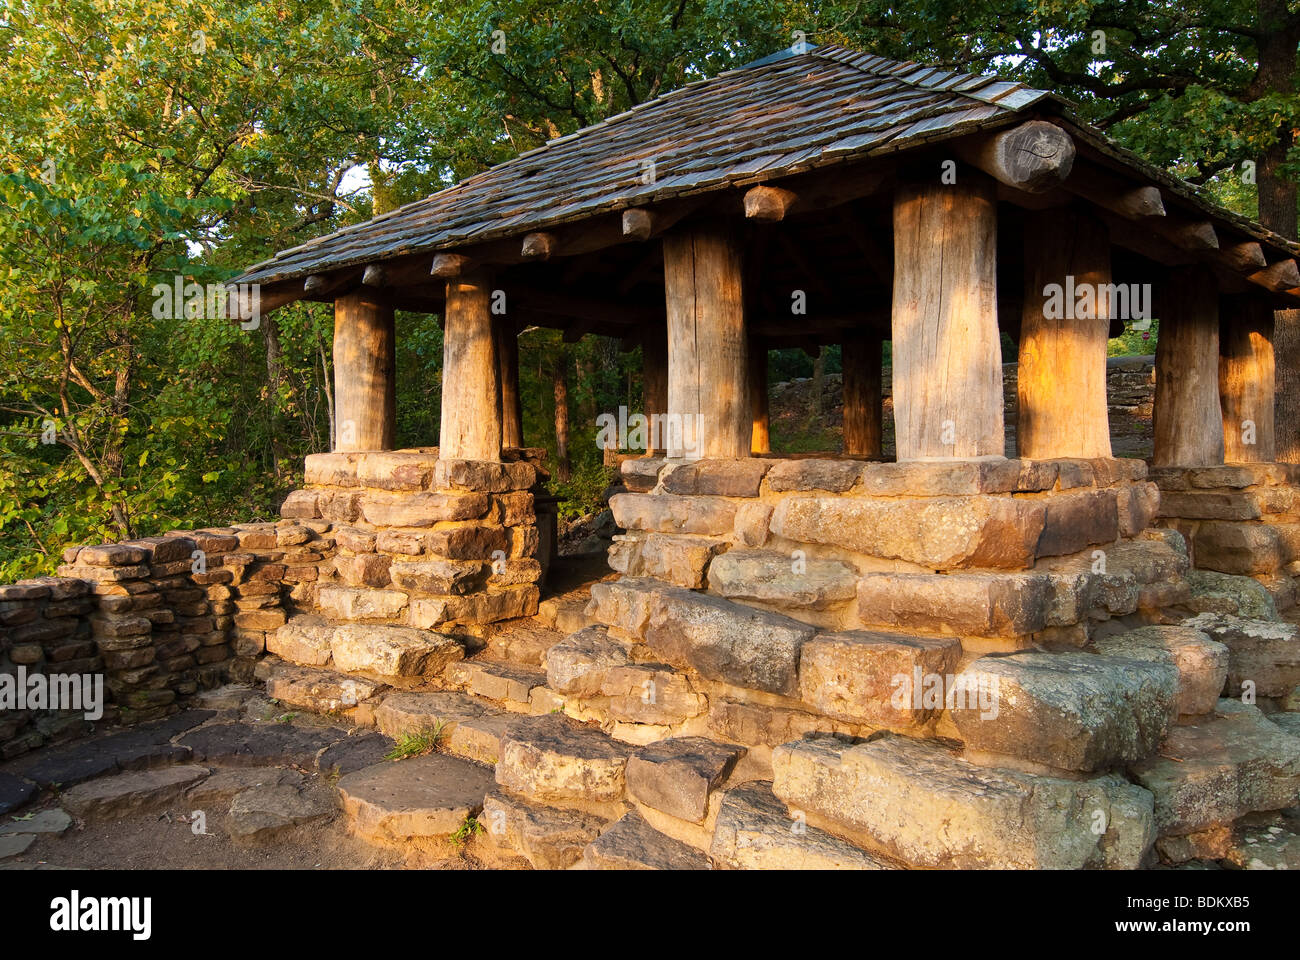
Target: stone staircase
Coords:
[[673, 729]]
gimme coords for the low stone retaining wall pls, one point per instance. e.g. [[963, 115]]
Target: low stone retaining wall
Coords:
[[424, 542], [1239, 519], [158, 619]]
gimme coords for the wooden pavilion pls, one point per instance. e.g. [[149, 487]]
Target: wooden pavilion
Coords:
[[892, 200]]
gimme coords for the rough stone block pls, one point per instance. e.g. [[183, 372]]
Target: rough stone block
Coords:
[[1202, 663], [1073, 711], [577, 665], [548, 837], [554, 758], [755, 832], [727, 642], [422, 509], [722, 478], [775, 578], [392, 651], [632, 844], [664, 513], [356, 603], [677, 775], [1221, 768], [974, 604], [1262, 653], [874, 678], [918, 802], [936, 532]]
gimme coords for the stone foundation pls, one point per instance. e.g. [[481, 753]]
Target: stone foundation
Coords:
[[1241, 519], [424, 542]]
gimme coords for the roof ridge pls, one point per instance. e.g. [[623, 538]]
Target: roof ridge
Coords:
[[922, 76]]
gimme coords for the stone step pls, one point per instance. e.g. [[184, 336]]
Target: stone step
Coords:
[[378, 649], [320, 690], [1080, 712], [552, 758], [523, 642], [755, 831], [550, 838], [1261, 653], [1229, 764], [127, 794], [920, 803], [508, 685], [429, 796], [263, 812], [261, 744], [677, 776], [632, 844], [1202, 663], [564, 614]]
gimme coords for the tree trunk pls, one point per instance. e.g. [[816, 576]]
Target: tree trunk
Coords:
[[1277, 211], [560, 376], [274, 381]]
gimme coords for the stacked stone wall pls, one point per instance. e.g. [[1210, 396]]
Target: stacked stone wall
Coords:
[[423, 542]]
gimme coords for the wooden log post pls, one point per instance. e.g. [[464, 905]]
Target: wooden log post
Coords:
[[471, 395], [1246, 379], [654, 385], [761, 438], [512, 411], [1063, 331], [365, 368], [1188, 421], [946, 348], [861, 359], [709, 413]]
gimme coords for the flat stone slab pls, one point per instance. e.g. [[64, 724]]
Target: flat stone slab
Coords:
[[1218, 769], [918, 802], [130, 793], [14, 845], [232, 696], [142, 746], [318, 690], [413, 713], [552, 757], [260, 813], [677, 775], [52, 820], [632, 844], [354, 753], [756, 832], [223, 786], [548, 837], [14, 792], [1073, 711], [260, 744], [1260, 652], [506, 683], [1202, 663], [427, 796]]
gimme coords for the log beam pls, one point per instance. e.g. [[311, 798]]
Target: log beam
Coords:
[[768, 204], [471, 395], [1062, 371], [1116, 194], [1247, 380], [862, 362], [1277, 277], [708, 374], [1034, 157], [365, 384], [946, 347], [1188, 420], [537, 246]]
